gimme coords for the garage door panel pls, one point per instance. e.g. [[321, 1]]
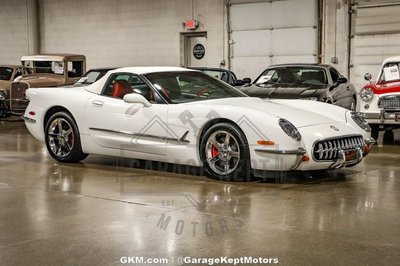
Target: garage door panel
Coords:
[[251, 67], [283, 59], [251, 43], [250, 16], [294, 41], [305, 10], [276, 31], [368, 52], [379, 19], [377, 28], [376, 37]]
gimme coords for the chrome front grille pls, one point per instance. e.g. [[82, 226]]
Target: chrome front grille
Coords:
[[329, 149], [389, 102], [18, 99]]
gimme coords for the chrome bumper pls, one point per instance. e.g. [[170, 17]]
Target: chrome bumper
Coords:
[[360, 154], [299, 152], [383, 116]]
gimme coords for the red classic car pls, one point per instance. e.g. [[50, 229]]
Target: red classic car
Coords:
[[381, 98]]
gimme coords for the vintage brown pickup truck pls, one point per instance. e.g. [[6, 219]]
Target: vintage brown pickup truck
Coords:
[[50, 70]]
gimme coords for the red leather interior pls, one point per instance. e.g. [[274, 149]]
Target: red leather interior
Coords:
[[120, 88]]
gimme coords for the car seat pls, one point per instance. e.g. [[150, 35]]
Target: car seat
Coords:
[[120, 88]]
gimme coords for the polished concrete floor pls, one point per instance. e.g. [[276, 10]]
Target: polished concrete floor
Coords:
[[96, 212]]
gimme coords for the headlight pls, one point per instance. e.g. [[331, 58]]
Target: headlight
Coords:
[[366, 94], [289, 129], [360, 121], [3, 95]]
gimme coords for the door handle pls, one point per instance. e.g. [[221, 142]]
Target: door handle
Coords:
[[97, 103]]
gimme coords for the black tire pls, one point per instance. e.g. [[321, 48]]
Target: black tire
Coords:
[[235, 154], [63, 139], [375, 131], [388, 137], [4, 112]]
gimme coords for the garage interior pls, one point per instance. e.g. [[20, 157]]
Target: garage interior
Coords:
[[106, 208]]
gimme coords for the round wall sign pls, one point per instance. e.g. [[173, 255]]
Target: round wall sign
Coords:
[[199, 51]]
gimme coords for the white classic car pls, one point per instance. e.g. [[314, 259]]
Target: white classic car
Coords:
[[186, 117], [381, 98]]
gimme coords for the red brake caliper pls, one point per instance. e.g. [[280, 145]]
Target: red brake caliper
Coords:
[[71, 138], [214, 151]]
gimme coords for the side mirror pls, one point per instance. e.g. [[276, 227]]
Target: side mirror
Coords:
[[368, 76], [136, 98], [247, 80], [341, 80], [238, 82]]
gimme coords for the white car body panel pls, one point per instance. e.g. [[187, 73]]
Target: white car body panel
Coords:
[[107, 125]]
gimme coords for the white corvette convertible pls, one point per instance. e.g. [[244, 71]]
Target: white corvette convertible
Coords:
[[186, 117]]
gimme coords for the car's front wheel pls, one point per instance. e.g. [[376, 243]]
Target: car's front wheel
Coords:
[[62, 138], [225, 153]]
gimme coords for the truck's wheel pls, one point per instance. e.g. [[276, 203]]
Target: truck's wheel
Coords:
[[375, 131], [62, 138]]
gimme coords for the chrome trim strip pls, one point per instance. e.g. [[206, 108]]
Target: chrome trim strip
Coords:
[[181, 140], [29, 120], [298, 151]]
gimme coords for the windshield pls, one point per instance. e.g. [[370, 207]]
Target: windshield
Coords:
[[188, 86], [222, 75], [390, 72], [5, 73], [91, 77], [293, 75], [50, 67]]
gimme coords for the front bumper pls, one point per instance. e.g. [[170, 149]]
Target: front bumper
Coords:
[[302, 159], [383, 117]]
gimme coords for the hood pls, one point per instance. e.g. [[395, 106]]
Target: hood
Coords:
[[384, 87], [36, 82], [292, 110], [285, 91]]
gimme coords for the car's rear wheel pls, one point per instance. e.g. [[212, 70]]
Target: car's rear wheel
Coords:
[[62, 138], [225, 153]]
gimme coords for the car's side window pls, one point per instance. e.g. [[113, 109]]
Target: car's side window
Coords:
[[75, 69], [18, 73], [120, 84], [334, 74]]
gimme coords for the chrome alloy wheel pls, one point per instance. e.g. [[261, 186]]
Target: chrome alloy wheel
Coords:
[[222, 152], [60, 137]]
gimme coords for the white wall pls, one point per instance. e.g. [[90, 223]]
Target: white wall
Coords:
[[136, 32], [128, 32], [335, 37], [18, 30]]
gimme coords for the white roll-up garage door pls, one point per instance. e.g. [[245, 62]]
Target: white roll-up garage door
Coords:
[[375, 36], [271, 32]]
